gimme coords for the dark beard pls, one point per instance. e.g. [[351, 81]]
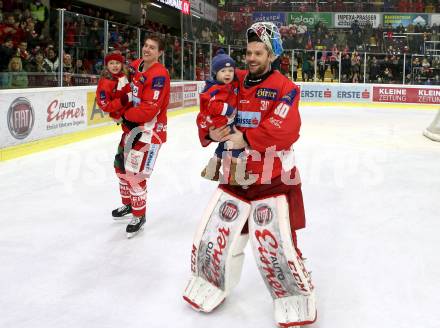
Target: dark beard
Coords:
[[254, 79]]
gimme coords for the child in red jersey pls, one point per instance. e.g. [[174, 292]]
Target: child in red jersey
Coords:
[[218, 103], [113, 94]]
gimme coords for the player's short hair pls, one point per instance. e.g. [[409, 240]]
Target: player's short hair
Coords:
[[157, 39]]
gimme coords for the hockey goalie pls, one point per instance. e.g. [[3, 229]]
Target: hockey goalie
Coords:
[[266, 212]]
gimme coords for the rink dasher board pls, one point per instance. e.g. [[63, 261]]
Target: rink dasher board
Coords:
[[40, 119]]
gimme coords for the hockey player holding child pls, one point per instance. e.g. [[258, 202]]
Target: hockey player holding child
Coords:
[[143, 111], [218, 103], [267, 212]]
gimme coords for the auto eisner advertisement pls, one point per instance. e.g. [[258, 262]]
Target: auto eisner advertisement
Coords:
[[406, 95], [31, 116], [65, 112], [344, 20]]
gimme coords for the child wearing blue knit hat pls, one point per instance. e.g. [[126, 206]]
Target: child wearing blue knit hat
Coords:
[[218, 103]]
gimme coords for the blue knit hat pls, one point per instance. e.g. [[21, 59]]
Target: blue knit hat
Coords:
[[221, 60]]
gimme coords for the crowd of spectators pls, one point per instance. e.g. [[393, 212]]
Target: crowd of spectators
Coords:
[[411, 6], [347, 47], [29, 48]]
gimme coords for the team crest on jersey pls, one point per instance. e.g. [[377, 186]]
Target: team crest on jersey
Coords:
[[158, 83], [248, 119], [102, 95], [290, 97], [142, 79], [266, 93]]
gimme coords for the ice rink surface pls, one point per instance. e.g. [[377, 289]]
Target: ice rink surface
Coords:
[[371, 186]]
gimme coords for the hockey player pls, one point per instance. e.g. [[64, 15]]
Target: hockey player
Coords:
[[144, 125], [268, 212], [218, 103]]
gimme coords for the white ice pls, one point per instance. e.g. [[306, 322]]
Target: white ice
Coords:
[[371, 186]]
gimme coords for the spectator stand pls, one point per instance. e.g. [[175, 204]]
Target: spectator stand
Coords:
[[425, 69], [238, 53], [72, 51], [203, 58], [431, 47], [387, 68]]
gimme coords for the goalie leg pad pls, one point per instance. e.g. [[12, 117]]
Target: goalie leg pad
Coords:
[[217, 252], [279, 263], [297, 310]]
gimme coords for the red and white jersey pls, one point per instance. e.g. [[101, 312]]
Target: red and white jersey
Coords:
[[108, 97], [217, 104], [151, 95], [269, 118]]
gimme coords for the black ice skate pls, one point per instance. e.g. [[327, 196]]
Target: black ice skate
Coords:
[[135, 226], [120, 212]]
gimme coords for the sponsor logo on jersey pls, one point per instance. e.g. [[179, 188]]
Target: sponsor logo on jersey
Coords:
[[248, 119], [102, 95], [263, 215], [290, 97], [265, 93], [151, 158], [158, 83], [21, 118], [228, 211], [275, 122]]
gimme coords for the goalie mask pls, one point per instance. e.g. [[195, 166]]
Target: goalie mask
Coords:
[[268, 34]]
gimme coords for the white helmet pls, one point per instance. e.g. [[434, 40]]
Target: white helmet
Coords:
[[269, 34]]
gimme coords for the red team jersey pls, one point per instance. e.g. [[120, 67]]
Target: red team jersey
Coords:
[[108, 98], [214, 102], [151, 95], [272, 106]]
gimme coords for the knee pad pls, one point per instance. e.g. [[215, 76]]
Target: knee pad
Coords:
[[217, 252]]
